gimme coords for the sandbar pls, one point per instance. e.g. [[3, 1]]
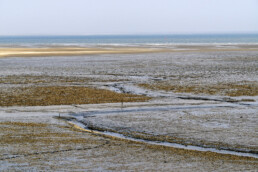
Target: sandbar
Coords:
[[78, 51]]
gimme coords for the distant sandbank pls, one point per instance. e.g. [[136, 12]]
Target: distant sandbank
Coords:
[[74, 51]]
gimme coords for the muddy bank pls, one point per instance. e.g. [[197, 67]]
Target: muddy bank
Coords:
[[215, 126], [48, 143], [156, 141]]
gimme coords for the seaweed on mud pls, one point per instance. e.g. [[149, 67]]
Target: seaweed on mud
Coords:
[[226, 89], [23, 124], [63, 95]]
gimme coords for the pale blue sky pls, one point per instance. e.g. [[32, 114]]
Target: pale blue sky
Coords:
[[88, 17]]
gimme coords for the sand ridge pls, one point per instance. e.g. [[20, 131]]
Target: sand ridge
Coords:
[[109, 49]]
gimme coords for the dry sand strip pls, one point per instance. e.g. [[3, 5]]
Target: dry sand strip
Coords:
[[76, 51], [71, 51]]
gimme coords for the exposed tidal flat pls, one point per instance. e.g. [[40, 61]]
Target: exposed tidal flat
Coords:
[[59, 50], [193, 95]]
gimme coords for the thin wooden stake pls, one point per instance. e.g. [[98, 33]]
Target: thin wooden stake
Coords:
[[122, 103]]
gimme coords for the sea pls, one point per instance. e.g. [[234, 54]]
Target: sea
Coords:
[[127, 40]]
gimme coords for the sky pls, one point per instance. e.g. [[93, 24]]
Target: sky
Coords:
[[111, 17]]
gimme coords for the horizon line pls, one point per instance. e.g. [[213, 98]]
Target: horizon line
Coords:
[[137, 34]]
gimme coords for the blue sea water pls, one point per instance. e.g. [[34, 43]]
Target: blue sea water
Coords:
[[129, 40]]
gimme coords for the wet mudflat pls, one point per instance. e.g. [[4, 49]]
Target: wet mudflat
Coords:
[[206, 99], [215, 126], [37, 141]]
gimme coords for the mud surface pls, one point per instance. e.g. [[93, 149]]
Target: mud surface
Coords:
[[203, 98], [223, 128], [37, 141]]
